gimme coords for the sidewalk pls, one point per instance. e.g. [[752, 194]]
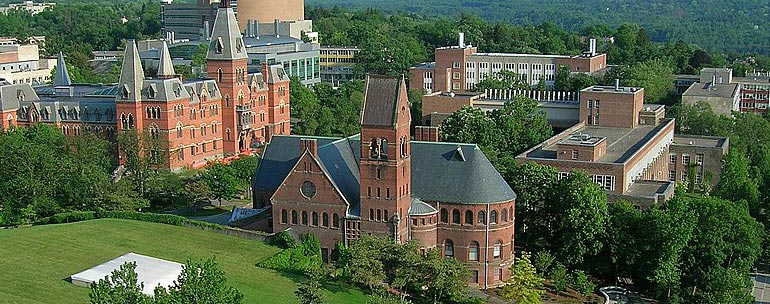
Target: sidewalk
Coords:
[[761, 288]]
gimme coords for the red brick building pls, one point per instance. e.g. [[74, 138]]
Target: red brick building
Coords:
[[193, 121], [459, 68], [444, 195]]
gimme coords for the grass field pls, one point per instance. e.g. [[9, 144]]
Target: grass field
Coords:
[[35, 261]]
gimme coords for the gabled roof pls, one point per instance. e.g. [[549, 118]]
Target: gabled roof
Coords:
[[226, 39], [438, 174], [381, 101], [12, 95]]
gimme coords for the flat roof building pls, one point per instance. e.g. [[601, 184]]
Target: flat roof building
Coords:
[[461, 67], [727, 94]]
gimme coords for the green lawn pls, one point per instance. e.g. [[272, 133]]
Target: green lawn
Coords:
[[34, 262]]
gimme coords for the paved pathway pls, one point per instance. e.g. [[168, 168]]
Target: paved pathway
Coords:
[[761, 288]]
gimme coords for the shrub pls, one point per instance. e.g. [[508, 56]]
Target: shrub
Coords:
[[582, 284], [71, 217], [297, 259], [283, 239], [145, 217]]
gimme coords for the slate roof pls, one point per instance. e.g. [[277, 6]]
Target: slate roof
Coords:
[[380, 101], [418, 207], [227, 35], [62, 76], [441, 172]]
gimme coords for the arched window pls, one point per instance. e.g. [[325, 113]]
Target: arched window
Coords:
[[384, 149], [504, 215], [473, 251], [493, 217], [379, 215], [315, 219], [482, 217], [371, 214], [227, 132], [284, 216], [469, 217], [385, 217], [335, 221], [294, 217], [304, 218], [374, 149], [220, 76], [498, 251], [455, 216], [179, 130], [449, 249], [325, 220], [444, 215]]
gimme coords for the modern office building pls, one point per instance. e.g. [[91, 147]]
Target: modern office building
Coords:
[[338, 64], [299, 59], [380, 182], [459, 68], [193, 21]]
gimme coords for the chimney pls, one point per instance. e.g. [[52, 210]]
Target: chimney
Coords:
[[592, 46], [256, 29], [617, 84], [308, 144], [248, 29], [206, 30], [425, 133], [277, 28], [461, 42]]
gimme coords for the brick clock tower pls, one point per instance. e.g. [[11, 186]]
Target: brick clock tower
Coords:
[[227, 62], [385, 158]]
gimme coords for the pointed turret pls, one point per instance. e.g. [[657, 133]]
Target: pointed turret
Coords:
[[226, 40], [62, 77], [132, 75], [165, 66]]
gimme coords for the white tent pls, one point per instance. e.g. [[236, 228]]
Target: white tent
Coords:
[[151, 271]]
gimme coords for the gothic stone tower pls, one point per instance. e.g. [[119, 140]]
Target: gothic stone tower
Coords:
[[227, 63], [128, 102], [385, 158]]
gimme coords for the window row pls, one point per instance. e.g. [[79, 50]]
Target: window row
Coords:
[[298, 218], [473, 250], [379, 215], [480, 219]]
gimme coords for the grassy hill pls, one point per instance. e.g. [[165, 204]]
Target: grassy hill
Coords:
[[716, 25], [34, 262]]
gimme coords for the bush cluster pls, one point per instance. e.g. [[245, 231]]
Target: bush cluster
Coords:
[[296, 259]]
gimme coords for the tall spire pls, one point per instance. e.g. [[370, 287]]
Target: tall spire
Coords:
[[131, 75], [165, 66], [226, 40], [62, 77]]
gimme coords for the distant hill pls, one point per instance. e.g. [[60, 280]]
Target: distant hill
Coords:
[[716, 25]]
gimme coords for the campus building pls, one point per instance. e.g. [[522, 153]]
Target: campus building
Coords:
[[338, 64], [380, 182], [190, 122], [727, 94], [30, 6], [22, 64], [629, 148], [459, 68], [194, 21]]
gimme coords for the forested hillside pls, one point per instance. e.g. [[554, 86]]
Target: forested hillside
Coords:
[[741, 26]]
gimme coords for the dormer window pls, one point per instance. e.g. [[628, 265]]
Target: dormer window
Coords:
[[153, 93], [239, 45], [124, 92], [20, 95], [220, 46]]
